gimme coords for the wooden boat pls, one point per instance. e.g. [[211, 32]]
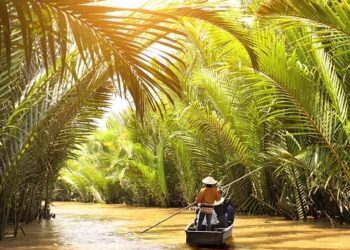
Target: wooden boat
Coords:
[[216, 237]]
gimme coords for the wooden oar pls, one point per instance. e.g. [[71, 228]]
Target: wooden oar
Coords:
[[182, 209]]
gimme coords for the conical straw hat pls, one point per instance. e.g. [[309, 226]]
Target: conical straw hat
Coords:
[[209, 180]]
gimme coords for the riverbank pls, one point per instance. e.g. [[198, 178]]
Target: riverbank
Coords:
[[101, 226]]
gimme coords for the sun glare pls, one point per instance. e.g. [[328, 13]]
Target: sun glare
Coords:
[[139, 3], [126, 3]]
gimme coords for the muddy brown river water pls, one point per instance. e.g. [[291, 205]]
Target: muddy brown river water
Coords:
[[100, 227]]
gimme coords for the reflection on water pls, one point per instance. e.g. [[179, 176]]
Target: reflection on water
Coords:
[[96, 226]]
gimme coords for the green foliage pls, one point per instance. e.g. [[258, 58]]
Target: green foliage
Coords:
[[162, 171], [275, 113]]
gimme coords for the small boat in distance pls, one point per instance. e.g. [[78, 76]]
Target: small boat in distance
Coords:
[[216, 237]]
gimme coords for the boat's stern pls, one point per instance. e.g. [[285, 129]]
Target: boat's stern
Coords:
[[208, 238]]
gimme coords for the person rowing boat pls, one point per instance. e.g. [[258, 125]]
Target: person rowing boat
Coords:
[[196, 233], [206, 199]]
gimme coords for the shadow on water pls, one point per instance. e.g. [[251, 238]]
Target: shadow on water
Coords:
[[101, 226]]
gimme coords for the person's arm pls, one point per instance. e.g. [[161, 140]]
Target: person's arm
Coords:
[[199, 197]]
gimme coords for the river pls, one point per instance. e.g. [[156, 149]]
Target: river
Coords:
[[100, 227]]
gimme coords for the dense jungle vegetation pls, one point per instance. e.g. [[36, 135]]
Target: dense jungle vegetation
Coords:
[[260, 90]]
